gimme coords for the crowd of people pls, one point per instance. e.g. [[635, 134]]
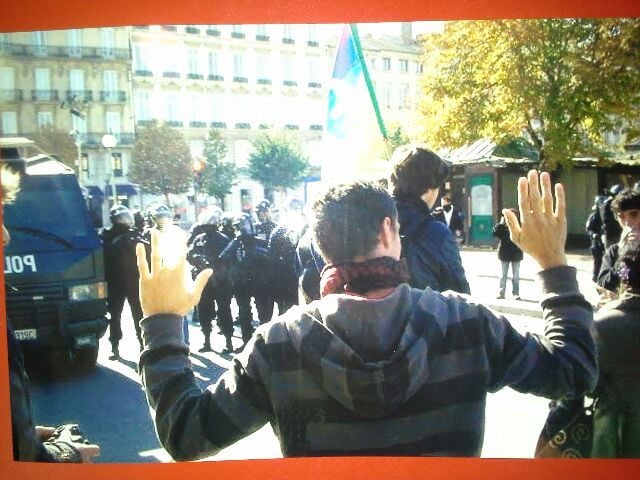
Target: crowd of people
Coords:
[[376, 348]]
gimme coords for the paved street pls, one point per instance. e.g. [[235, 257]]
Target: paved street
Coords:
[[110, 406]]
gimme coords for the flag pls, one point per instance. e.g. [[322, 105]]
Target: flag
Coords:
[[354, 141]]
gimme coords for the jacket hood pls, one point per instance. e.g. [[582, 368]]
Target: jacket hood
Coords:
[[368, 354]]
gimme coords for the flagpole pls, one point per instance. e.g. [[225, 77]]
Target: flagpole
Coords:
[[367, 79]]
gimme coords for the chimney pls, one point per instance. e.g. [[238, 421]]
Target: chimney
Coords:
[[405, 32]]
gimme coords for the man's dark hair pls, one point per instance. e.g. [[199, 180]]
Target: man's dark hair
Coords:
[[10, 183], [627, 199], [416, 170], [628, 265], [347, 219]]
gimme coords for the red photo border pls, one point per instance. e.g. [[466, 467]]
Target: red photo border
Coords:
[[26, 15]]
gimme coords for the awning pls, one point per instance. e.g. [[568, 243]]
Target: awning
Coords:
[[94, 191], [126, 189]]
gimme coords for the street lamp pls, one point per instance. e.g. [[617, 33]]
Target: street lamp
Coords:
[[197, 166], [76, 137], [109, 141]]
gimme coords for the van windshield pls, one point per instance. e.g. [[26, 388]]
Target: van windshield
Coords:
[[49, 209]]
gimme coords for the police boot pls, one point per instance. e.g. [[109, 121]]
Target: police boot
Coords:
[[228, 346], [115, 354], [207, 345]]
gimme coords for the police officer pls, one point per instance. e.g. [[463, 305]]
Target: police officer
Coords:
[[283, 283], [245, 259], [204, 253], [594, 230], [265, 223], [226, 225], [121, 273], [611, 229]]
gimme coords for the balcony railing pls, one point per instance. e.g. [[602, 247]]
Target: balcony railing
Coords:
[[175, 123], [170, 74], [290, 83], [312, 43], [80, 95], [44, 95], [262, 38], [113, 96], [292, 126], [264, 126], [194, 30], [9, 95], [237, 35], [197, 124], [218, 125], [169, 28], [143, 73], [264, 81], [240, 79], [18, 49], [314, 85], [289, 41], [94, 139], [216, 78], [195, 76], [212, 32], [243, 126], [315, 127]]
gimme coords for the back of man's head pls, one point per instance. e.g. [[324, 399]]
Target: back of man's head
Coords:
[[627, 199], [416, 170], [347, 220]]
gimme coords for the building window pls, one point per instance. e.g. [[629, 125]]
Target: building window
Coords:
[[7, 82], [386, 64], [44, 119], [403, 96], [263, 70], [287, 70], [9, 123], [78, 124], [75, 42], [238, 67], [261, 33], [214, 69], [218, 109], [110, 85], [404, 66], [43, 85], [142, 105], [385, 96], [418, 67], [237, 32], [108, 42], [39, 42], [112, 122], [193, 63], [141, 58], [172, 107], [287, 34], [116, 164], [373, 63], [76, 84]]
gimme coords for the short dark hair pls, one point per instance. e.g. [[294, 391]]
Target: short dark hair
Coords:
[[627, 199], [628, 265], [416, 170], [347, 218], [10, 183]]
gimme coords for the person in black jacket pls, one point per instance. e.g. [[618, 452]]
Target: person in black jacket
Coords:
[[203, 253], [611, 228], [594, 230], [427, 244], [245, 260], [121, 273], [508, 254], [31, 442], [265, 224], [448, 214]]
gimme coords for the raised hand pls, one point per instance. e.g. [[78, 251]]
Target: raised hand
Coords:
[[541, 231], [167, 287]]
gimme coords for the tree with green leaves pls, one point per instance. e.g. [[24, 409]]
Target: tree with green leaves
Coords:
[[219, 174], [58, 143], [564, 83], [277, 163], [161, 161]]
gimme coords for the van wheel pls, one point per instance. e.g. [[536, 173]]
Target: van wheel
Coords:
[[85, 358]]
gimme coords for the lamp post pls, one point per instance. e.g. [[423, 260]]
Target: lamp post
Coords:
[[197, 166], [109, 141], [76, 137]]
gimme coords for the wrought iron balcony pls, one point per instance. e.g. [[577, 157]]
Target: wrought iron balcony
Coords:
[[218, 125], [243, 126], [79, 95], [289, 41], [44, 95], [175, 123], [290, 83], [314, 85], [9, 95], [171, 74], [238, 35], [216, 78], [197, 124], [212, 32], [143, 73], [240, 79], [315, 127], [292, 126], [262, 38], [113, 96], [264, 81], [195, 76], [191, 29]]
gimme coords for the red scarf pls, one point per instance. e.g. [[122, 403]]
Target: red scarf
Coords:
[[363, 277]]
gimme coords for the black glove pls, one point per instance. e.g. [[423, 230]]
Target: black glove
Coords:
[[63, 440]]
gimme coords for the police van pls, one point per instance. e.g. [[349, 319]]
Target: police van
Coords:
[[53, 266]]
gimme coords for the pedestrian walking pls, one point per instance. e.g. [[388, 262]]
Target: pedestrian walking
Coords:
[[594, 230], [509, 255]]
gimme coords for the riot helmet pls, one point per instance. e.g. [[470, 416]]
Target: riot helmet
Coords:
[[211, 216], [615, 189], [120, 215], [263, 210], [242, 224], [138, 219], [636, 186], [161, 215]]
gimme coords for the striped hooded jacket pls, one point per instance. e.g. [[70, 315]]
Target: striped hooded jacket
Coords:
[[407, 374]]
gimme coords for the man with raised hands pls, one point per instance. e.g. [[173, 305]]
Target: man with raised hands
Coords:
[[374, 367]]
